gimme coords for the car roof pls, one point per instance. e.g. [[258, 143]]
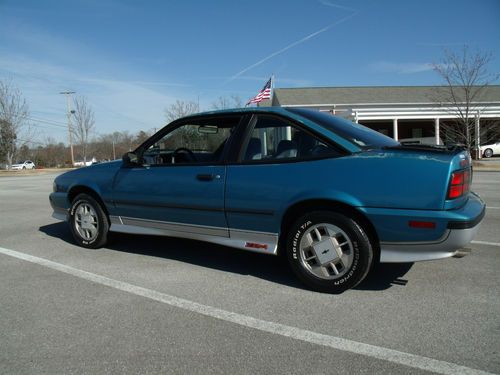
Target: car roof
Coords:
[[279, 110]]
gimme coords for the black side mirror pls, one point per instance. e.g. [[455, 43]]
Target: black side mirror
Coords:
[[130, 159]]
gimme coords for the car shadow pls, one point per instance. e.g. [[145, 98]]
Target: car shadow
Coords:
[[274, 269], [385, 275]]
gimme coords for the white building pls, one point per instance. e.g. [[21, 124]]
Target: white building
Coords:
[[397, 111]]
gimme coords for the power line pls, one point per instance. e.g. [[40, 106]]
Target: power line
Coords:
[[50, 122], [44, 125]]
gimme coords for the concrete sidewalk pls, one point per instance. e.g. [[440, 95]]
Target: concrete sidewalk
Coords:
[[487, 165]]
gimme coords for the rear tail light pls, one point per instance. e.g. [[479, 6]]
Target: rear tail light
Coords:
[[459, 184], [422, 224]]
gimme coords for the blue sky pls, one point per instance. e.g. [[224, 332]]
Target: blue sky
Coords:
[[131, 59]]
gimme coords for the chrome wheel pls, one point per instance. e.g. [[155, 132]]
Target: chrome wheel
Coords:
[[488, 153], [86, 222], [326, 251]]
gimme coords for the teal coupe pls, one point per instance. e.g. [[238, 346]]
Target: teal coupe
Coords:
[[334, 197]]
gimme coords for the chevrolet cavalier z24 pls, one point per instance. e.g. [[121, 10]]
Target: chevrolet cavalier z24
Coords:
[[333, 196]]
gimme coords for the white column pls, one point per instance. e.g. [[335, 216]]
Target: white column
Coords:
[[263, 141], [478, 135], [436, 130], [395, 128]]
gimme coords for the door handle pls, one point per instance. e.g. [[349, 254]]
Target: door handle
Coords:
[[207, 177]]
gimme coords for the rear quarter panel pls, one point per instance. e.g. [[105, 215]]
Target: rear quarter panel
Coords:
[[367, 179]]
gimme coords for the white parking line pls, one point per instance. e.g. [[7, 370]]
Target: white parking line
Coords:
[[486, 243], [492, 208], [338, 343]]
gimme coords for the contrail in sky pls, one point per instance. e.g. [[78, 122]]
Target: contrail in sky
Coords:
[[329, 4], [294, 44]]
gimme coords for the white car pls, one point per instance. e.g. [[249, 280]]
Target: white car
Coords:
[[489, 150], [27, 164]]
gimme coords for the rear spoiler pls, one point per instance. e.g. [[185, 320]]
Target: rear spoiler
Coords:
[[451, 149]]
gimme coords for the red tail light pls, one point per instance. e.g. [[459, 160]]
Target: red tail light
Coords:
[[459, 184], [422, 224]]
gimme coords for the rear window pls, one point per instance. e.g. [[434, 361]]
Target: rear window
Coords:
[[358, 134]]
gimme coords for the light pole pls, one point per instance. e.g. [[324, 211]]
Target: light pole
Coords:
[[70, 131]]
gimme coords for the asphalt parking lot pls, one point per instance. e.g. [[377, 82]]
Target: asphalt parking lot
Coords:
[[161, 305]]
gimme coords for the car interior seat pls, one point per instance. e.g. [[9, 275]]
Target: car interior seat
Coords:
[[254, 149], [286, 149]]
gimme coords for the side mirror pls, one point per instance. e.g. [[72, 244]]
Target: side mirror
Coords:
[[130, 159]]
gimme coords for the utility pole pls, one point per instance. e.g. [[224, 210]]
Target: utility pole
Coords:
[[70, 130]]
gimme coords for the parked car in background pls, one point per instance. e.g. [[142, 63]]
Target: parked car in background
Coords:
[[27, 164], [84, 163], [334, 197], [489, 150]]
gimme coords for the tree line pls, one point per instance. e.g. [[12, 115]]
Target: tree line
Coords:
[[53, 154]]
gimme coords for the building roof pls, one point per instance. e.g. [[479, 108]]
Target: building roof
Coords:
[[370, 95]]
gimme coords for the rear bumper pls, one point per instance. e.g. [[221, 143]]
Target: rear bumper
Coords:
[[458, 234]]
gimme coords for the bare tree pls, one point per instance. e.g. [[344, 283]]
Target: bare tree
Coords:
[[180, 109], [466, 80], [14, 114], [141, 136], [222, 102], [84, 124]]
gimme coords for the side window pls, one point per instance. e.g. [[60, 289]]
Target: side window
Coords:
[[274, 139], [196, 142]]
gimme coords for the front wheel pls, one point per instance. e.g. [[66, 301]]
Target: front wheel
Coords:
[[488, 153], [329, 251], [88, 222]]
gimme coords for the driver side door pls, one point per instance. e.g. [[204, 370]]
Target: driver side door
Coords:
[[179, 181]]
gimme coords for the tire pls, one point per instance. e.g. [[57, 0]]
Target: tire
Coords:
[[328, 251], [24, 167], [488, 153], [88, 222]]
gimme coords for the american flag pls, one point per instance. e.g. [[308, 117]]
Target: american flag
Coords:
[[265, 93]]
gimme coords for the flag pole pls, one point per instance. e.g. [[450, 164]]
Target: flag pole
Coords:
[[272, 88]]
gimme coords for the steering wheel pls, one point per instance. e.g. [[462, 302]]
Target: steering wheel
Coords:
[[186, 151]]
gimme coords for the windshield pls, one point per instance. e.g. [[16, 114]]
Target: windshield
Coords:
[[358, 134]]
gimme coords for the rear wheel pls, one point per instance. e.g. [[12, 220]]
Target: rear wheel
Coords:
[[488, 153], [329, 251], [88, 221]]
